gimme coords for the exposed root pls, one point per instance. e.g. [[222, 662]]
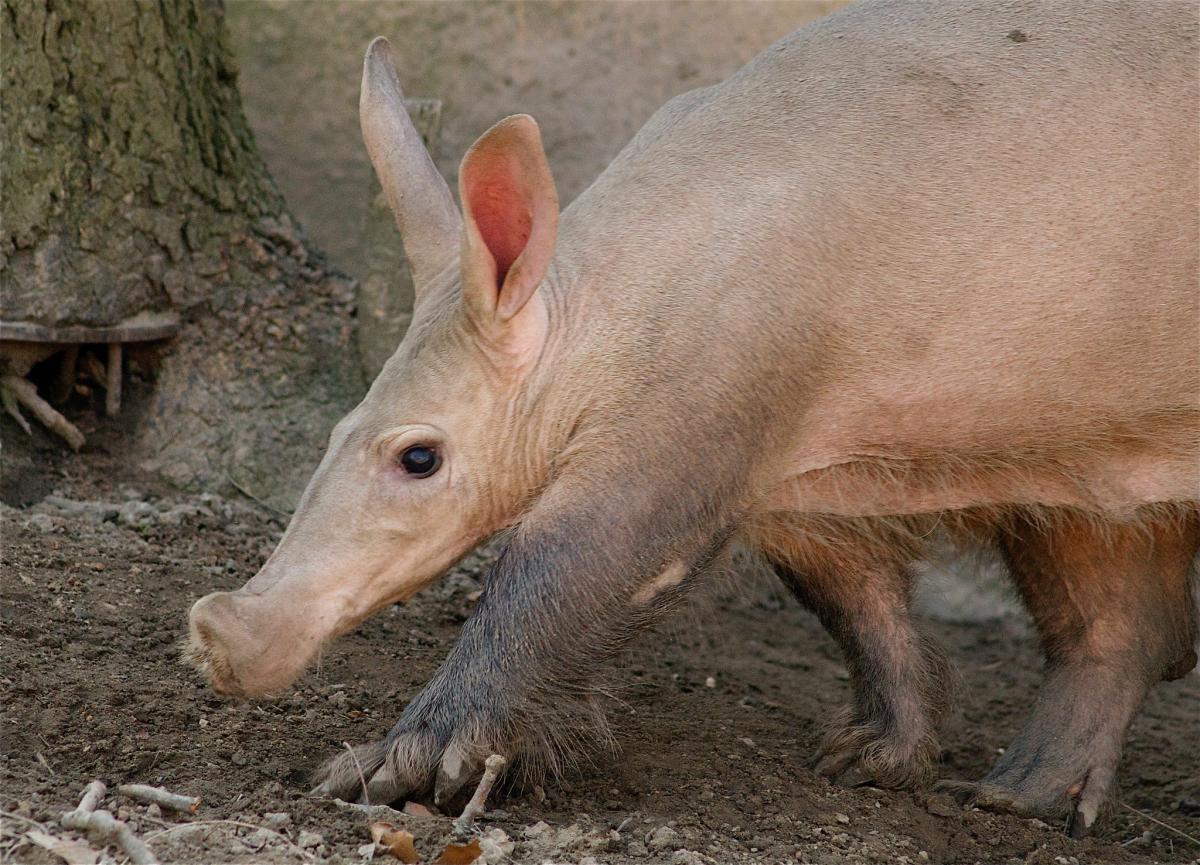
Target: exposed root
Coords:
[[13, 387], [14, 410]]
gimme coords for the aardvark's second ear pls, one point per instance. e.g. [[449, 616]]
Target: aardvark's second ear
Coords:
[[420, 200], [510, 214]]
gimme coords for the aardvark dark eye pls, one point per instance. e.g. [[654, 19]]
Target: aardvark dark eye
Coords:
[[420, 461]]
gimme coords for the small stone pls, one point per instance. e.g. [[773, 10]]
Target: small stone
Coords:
[[710, 682], [941, 805], [537, 830], [203, 722], [308, 840], [495, 846], [138, 514], [841, 818], [40, 522], [277, 819], [662, 838], [923, 856], [239, 758], [416, 809], [367, 851], [1039, 824], [687, 857], [638, 849], [152, 810], [260, 838], [568, 836]]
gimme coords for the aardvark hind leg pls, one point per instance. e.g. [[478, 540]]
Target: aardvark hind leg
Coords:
[[1112, 607], [902, 683]]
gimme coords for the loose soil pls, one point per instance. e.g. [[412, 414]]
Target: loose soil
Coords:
[[723, 706]]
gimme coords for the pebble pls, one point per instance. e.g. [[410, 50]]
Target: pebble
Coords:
[[138, 514], [841, 818], [568, 836], [41, 522], [308, 839], [260, 838], [276, 819], [537, 830], [495, 846], [710, 682], [367, 851], [153, 810], [662, 838], [942, 806], [637, 848]]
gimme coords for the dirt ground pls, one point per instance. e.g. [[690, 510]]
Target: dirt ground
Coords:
[[723, 706]]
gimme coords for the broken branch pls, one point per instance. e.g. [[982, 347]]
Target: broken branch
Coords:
[[27, 395], [160, 797], [492, 768], [85, 818]]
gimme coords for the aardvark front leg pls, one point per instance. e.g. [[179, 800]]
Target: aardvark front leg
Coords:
[[563, 598]]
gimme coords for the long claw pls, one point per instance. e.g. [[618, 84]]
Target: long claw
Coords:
[[383, 788], [321, 791], [454, 770], [853, 776]]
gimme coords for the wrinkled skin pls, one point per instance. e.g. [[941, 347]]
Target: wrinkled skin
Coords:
[[905, 271]]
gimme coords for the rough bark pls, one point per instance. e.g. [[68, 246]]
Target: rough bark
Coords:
[[132, 184]]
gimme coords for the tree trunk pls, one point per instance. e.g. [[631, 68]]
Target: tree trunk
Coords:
[[132, 185]]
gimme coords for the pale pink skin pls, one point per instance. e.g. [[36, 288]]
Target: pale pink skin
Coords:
[[893, 290]]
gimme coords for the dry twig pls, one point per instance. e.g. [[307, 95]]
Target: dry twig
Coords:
[[492, 767], [1166, 826], [160, 797], [85, 818], [15, 389]]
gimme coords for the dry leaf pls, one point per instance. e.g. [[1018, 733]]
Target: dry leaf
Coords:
[[71, 852], [395, 841], [460, 854]]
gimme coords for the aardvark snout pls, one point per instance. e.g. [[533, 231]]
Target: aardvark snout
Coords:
[[245, 645]]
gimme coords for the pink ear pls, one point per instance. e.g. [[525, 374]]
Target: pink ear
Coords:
[[511, 217]]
